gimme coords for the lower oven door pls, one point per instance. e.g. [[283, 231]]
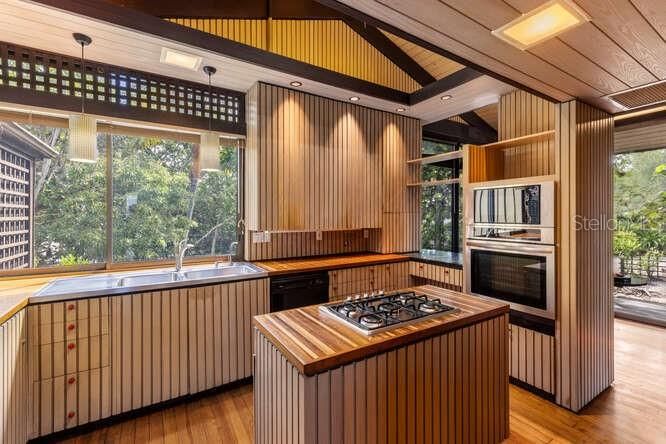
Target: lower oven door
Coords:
[[523, 275]]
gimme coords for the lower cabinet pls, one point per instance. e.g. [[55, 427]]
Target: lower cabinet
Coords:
[[424, 273], [14, 381], [532, 358], [358, 280], [94, 358]]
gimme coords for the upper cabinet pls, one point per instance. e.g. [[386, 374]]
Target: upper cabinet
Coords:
[[315, 164]]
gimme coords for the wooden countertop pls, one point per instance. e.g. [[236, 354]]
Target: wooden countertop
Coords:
[[288, 266], [315, 342]]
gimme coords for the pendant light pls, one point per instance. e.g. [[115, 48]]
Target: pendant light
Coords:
[[209, 146], [82, 128]]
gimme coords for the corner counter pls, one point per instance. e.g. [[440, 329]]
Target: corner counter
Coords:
[[444, 379]]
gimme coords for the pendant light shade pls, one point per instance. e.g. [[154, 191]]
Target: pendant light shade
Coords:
[[82, 139], [209, 147], [209, 151], [82, 128]]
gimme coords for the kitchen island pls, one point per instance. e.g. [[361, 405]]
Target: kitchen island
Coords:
[[442, 379]]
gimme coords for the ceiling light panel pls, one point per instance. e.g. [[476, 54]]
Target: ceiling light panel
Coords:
[[540, 24], [180, 59]]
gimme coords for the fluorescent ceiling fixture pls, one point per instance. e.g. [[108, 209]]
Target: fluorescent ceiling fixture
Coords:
[[180, 59], [546, 21]]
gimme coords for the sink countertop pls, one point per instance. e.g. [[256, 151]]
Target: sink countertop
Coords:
[[315, 342]]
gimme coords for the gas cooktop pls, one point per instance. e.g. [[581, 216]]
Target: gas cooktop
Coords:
[[372, 314]]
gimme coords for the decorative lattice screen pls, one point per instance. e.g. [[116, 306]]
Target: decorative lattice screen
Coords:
[[14, 210], [34, 77]]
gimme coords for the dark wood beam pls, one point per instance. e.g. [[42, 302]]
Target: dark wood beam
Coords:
[[390, 50], [149, 24], [648, 118], [476, 121], [363, 17], [451, 131], [443, 85]]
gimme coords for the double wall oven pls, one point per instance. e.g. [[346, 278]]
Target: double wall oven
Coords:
[[510, 245]]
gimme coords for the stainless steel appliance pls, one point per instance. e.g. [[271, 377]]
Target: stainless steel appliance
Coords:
[[510, 245], [376, 313]]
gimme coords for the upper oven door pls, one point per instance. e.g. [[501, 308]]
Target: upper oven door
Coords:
[[528, 204], [522, 275]]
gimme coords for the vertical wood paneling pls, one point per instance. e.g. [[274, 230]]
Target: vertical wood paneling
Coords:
[[441, 276], [450, 388], [532, 358], [329, 44], [315, 164], [359, 280], [15, 384], [584, 351]]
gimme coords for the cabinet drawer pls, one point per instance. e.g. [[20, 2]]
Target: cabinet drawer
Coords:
[[65, 357]]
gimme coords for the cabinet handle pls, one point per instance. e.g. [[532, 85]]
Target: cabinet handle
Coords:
[[71, 380], [70, 415], [71, 327], [70, 307], [71, 346]]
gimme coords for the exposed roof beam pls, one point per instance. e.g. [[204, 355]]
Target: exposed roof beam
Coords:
[[390, 50], [456, 132], [149, 24], [361, 16], [476, 121], [443, 85]]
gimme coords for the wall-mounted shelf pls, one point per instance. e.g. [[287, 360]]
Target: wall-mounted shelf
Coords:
[[522, 140], [432, 183], [436, 158]]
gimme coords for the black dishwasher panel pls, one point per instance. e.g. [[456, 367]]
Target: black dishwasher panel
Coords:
[[298, 290]]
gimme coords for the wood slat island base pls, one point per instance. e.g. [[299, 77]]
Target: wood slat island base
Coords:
[[450, 385]]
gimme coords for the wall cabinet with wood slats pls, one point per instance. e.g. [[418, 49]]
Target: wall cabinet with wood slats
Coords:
[[532, 358], [359, 280], [94, 358], [424, 273], [14, 381]]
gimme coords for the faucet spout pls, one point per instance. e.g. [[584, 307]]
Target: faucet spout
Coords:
[[181, 248]]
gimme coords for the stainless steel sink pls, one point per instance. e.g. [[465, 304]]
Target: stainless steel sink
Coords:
[[129, 282], [150, 279], [223, 271]]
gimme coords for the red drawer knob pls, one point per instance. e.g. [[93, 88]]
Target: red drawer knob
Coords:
[[70, 327], [71, 307], [71, 346], [72, 380], [70, 415]]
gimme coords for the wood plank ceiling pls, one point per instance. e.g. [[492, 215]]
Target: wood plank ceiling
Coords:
[[622, 47]]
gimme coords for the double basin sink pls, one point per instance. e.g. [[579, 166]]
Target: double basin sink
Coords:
[[87, 286]]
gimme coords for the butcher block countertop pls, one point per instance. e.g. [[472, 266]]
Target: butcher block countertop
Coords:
[[288, 266], [315, 342]]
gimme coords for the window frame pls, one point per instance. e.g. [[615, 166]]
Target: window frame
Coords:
[[109, 265]]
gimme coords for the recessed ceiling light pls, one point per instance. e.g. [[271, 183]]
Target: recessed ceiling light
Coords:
[[354, 99], [180, 59], [400, 110], [447, 97], [546, 21], [296, 84]]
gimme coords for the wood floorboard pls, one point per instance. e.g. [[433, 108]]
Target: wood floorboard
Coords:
[[632, 411]]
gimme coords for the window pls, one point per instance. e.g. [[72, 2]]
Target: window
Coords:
[[441, 224], [156, 195]]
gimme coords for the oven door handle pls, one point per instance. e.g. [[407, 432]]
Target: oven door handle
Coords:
[[513, 247]]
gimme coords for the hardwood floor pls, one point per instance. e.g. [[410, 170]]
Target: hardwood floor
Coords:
[[632, 411]]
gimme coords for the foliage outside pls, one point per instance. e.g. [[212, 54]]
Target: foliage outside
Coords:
[[153, 188], [640, 207]]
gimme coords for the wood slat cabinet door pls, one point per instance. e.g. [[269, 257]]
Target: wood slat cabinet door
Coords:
[[220, 331], [532, 358], [443, 276], [359, 280], [14, 380], [70, 364]]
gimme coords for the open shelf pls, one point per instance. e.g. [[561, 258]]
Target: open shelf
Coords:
[[436, 158], [522, 140], [432, 183]]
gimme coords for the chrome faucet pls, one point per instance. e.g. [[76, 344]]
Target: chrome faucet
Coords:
[[181, 248]]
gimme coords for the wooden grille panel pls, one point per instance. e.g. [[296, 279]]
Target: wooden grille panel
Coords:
[[15, 227], [40, 78], [643, 96]]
